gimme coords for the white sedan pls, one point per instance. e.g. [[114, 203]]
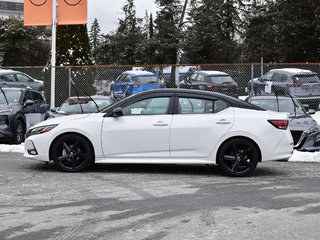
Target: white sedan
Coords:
[[165, 126]]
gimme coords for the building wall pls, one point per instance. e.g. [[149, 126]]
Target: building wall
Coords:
[[11, 8]]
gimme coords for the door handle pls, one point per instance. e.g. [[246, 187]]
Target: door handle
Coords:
[[223, 121], [160, 124]]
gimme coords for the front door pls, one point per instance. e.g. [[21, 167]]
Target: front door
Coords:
[[143, 131]]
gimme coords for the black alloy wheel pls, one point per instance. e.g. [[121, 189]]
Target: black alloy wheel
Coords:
[[18, 132], [72, 153], [238, 157]]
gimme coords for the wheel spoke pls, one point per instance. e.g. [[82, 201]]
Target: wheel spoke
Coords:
[[235, 148], [246, 163], [229, 157], [82, 155], [66, 147], [236, 165], [247, 151], [63, 158], [76, 145]]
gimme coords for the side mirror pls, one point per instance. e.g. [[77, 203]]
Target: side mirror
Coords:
[[53, 109], [117, 112], [311, 112], [28, 103]]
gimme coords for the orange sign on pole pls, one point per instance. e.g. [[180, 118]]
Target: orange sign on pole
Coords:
[[72, 12], [37, 12]]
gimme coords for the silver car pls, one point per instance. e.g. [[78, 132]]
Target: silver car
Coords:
[[300, 83], [16, 79]]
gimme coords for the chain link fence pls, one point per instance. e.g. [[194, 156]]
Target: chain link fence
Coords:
[[97, 80]]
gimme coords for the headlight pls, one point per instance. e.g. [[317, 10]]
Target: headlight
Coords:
[[6, 110], [313, 129], [39, 130]]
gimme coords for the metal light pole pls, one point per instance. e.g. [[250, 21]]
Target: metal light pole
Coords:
[[53, 52]]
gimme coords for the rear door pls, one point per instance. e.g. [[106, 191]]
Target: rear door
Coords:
[[198, 126]]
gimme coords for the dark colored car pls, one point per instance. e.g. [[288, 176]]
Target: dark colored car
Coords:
[[20, 108], [304, 129], [300, 83], [10, 78], [82, 104], [213, 81], [132, 82]]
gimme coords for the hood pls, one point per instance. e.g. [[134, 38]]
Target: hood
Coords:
[[52, 121], [302, 123]]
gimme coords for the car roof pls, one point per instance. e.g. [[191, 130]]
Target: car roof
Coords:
[[139, 73], [88, 98], [264, 97], [234, 101], [6, 71], [213, 73], [292, 71]]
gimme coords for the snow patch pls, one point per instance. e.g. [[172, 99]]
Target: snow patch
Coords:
[[12, 148]]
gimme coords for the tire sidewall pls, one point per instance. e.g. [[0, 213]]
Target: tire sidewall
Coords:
[[225, 147]]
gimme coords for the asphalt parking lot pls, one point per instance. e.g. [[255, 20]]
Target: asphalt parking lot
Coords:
[[281, 200]]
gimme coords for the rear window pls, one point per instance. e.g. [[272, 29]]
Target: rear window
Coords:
[[306, 78], [220, 79], [145, 79]]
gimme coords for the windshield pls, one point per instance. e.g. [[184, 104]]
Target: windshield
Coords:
[[12, 96], [146, 79], [285, 105], [88, 106], [306, 79], [220, 79]]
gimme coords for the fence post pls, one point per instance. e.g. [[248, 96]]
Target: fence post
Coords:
[[261, 66], [69, 81], [252, 76]]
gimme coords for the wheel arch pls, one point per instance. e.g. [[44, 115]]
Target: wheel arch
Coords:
[[239, 137], [22, 118], [66, 133]]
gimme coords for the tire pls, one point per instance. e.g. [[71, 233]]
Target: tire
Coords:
[[72, 153], [18, 134], [112, 95], [238, 157], [127, 94]]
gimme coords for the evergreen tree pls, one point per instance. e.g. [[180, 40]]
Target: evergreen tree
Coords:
[[128, 36], [95, 38], [212, 34], [23, 46], [73, 49]]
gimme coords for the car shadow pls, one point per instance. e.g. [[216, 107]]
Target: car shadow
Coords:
[[155, 169]]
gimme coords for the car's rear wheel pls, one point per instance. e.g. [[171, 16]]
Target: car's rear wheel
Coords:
[[238, 157], [72, 153], [18, 132]]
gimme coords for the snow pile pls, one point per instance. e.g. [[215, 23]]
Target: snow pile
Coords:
[[12, 148]]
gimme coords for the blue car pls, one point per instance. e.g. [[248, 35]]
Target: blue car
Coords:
[[131, 82]]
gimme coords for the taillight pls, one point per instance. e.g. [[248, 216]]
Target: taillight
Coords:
[[210, 85], [281, 124], [135, 85], [234, 84], [294, 84]]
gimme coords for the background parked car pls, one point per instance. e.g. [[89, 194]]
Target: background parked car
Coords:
[[83, 104], [10, 78], [300, 83], [214, 81], [131, 82], [304, 129], [20, 108]]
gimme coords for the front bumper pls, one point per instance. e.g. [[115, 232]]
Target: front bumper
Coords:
[[309, 142]]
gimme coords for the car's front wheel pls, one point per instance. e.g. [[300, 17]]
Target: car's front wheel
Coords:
[[72, 153], [238, 157], [18, 132]]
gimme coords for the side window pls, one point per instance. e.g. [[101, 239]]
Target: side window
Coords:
[[120, 78], [278, 77], [267, 77], [37, 98], [127, 78], [23, 78], [9, 78], [200, 78], [150, 106], [193, 77], [27, 96], [200, 106]]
